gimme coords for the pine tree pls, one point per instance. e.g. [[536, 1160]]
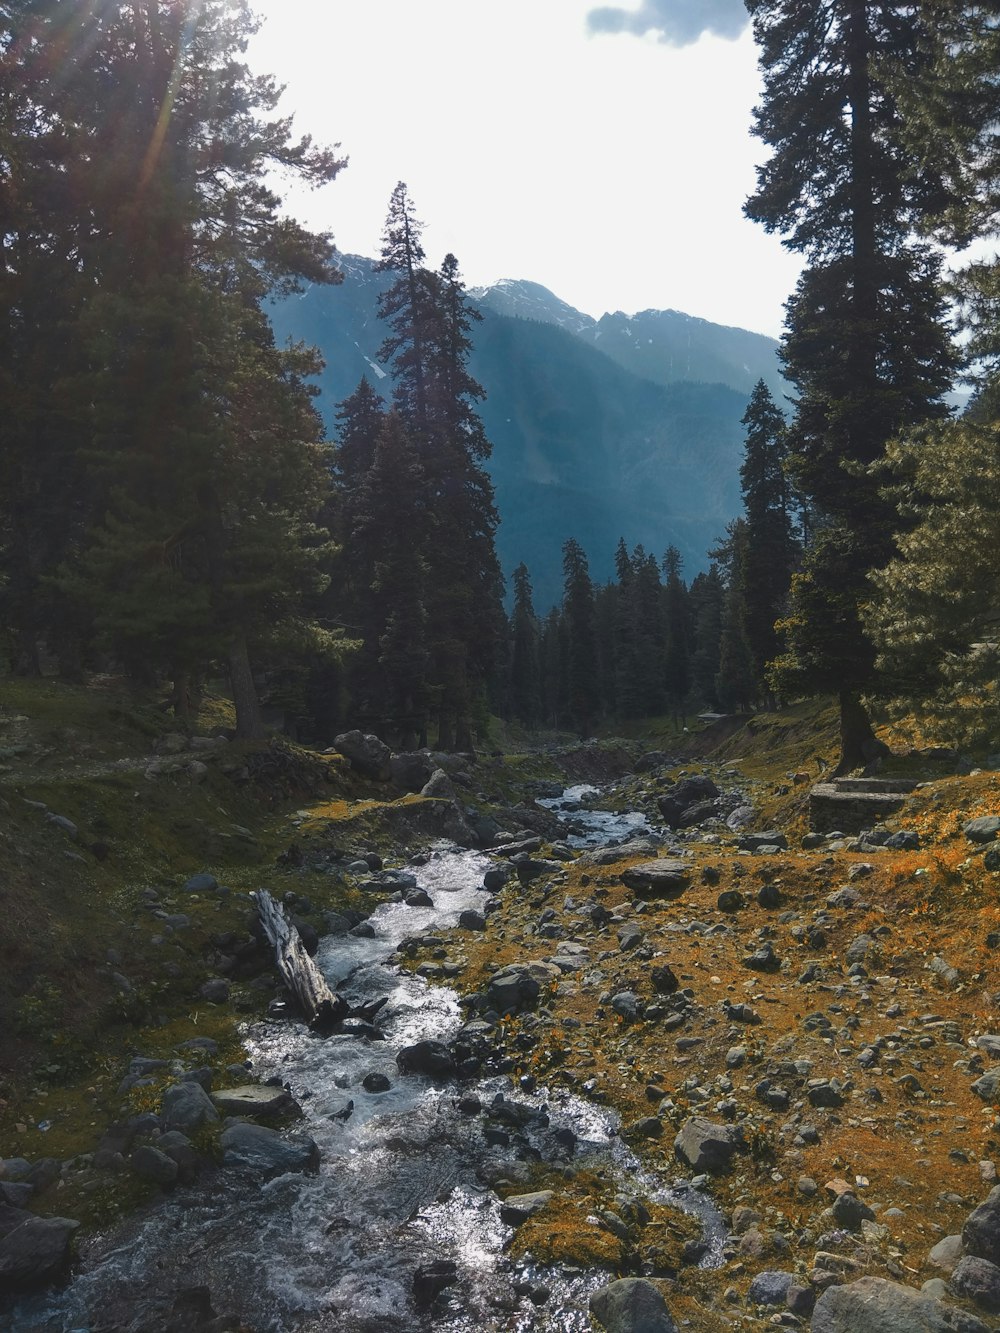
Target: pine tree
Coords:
[[769, 550], [865, 343], [677, 628], [582, 666], [708, 598], [525, 653]]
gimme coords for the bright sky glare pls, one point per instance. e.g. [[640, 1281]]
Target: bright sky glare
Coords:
[[608, 166]]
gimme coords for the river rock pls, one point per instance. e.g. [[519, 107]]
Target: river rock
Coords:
[[266, 1152], [632, 1305], [470, 919], [431, 1279], [426, 1057], [366, 754], [256, 1101], [663, 878], [33, 1250], [519, 1207], [187, 1106], [150, 1163], [705, 1146], [876, 1305], [981, 1233]]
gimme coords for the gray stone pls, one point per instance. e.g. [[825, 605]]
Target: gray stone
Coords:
[[875, 1305], [266, 1152], [66, 825], [187, 1106], [151, 1164], [470, 919], [366, 754], [203, 883], [512, 988], [410, 771], [664, 878], [753, 842], [981, 1233], [988, 1086], [439, 786], [705, 1146], [426, 1057], [632, 1305], [984, 829], [254, 1100], [517, 1208], [215, 990], [946, 1253], [626, 1005], [978, 1281], [33, 1250], [770, 1288]]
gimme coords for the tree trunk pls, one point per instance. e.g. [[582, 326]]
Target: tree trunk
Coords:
[[249, 726], [859, 745]]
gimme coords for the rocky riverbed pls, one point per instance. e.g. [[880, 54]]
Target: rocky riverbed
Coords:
[[749, 1072]]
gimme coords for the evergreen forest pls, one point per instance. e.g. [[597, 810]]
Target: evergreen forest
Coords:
[[172, 510]]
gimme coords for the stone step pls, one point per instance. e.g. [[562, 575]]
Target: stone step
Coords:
[[832, 808]]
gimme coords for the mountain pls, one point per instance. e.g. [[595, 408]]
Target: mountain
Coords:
[[584, 445], [664, 346]]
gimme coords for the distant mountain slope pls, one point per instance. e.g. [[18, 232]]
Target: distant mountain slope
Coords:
[[664, 346], [582, 446]]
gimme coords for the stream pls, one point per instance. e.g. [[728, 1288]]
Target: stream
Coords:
[[400, 1184]]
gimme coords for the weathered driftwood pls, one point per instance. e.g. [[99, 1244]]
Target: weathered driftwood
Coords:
[[322, 1007]]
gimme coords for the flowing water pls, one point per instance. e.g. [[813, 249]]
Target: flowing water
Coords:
[[400, 1182]]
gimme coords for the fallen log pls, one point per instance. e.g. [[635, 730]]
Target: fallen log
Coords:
[[324, 1009]]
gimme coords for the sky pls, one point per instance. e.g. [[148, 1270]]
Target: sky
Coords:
[[604, 152]]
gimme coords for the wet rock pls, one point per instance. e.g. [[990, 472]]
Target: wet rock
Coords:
[[426, 1057], [472, 920], [632, 1305], [496, 877], [876, 1305], [657, 879], [517, 1208], [418, 898], [266, 1152], [978, 1280], [256, 1101], [33, 1250], [375, 1082], [187, 1106], [431, 1279], [366, 754], [705, 1146]]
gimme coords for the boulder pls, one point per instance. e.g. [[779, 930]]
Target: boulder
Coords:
[[366, 754], [981, 1233], [984, 829], [33, 1250], [439, 786], [978, 1281], [512, 989], [663, 878], [689, 791], [266, 1152], [705, 1146], [187, 1106], [410, 771], [770, 1288], [150, 1163], [876, 1305], [426, 1057], [256, 1101], [632, 1305]]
